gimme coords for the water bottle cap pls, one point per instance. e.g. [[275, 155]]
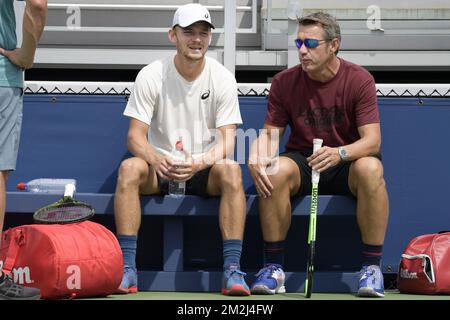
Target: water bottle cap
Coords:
[[179, 145], [21, 186]]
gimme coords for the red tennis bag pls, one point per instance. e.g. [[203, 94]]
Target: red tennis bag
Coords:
[[63, 260], [425, 265]]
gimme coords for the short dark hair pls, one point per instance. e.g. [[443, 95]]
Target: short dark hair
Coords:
[[326, 21]]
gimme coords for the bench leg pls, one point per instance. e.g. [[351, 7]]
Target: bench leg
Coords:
[[173, 244]]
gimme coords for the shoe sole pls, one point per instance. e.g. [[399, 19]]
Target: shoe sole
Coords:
[[37, 297], [262, 289], [126, 291], [236, 290], [369, 292]]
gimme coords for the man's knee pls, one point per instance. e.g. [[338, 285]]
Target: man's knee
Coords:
[[132, 171], [229, 175], [285, 172], [367, 172]]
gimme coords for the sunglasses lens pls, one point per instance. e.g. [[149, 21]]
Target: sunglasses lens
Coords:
[[311, 43]]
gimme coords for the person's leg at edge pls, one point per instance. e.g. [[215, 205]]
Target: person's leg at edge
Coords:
[[3, 179], [11, 104], [135, 177], [225, 179], [275, 217], [367, 183]]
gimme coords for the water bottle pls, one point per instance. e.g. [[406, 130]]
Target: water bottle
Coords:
[[46, 185], [177, 189]]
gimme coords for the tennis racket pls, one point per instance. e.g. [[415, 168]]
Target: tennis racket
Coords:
[[315, 177], [66, 210]]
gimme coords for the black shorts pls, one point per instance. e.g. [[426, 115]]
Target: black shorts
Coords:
[[332, 181], [194, 186]]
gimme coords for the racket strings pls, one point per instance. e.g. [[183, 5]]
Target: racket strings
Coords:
[[64, 212]]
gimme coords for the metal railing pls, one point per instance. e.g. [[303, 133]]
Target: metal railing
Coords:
[[230, 9], [402, 90], [135, 7]]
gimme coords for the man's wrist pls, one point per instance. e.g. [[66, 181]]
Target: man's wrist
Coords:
[[343, 154], [199, 164]]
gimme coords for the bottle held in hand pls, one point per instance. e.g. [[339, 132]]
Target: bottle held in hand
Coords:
[[176, 188]]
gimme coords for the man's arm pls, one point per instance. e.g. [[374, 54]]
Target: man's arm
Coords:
[[226, 136], [262, 153], [368, 145], [138, 145], [225, 146], [33, 26]]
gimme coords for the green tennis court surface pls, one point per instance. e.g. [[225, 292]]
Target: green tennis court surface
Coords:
[[390, 295]]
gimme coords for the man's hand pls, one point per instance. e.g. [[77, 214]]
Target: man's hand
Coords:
[[324, 158], [258, 170], [183, 171], [162, 165], [33, 25], [17, 58]]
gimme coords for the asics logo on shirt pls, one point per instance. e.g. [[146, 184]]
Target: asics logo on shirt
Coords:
[[205, 95]]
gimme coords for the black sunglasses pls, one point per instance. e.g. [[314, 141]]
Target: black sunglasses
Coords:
[[309, 43]]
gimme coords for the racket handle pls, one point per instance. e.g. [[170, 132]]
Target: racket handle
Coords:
[[69, 190], [315, 176], [317, 144]]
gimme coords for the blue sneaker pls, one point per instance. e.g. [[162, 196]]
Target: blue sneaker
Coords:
[[129, 281], [269, 280], [233, 283], [371, 282]]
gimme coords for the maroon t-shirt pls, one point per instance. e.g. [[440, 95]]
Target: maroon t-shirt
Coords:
[[332, 111]]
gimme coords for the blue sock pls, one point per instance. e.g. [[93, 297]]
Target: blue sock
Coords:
[[128, 245], [274, 252], [232, 253], [371, 254]]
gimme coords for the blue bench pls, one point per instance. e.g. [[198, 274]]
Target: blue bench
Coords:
[[84, 137]]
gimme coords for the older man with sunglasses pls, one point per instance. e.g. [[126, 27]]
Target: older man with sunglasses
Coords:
[[329, 98]]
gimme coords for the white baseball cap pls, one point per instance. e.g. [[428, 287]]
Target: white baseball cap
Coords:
[[191, 13]]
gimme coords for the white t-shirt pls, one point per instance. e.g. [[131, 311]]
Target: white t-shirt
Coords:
[[174, 107]]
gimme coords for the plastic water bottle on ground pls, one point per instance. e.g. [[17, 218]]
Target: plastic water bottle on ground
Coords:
[[177, 189], [46, 185]]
